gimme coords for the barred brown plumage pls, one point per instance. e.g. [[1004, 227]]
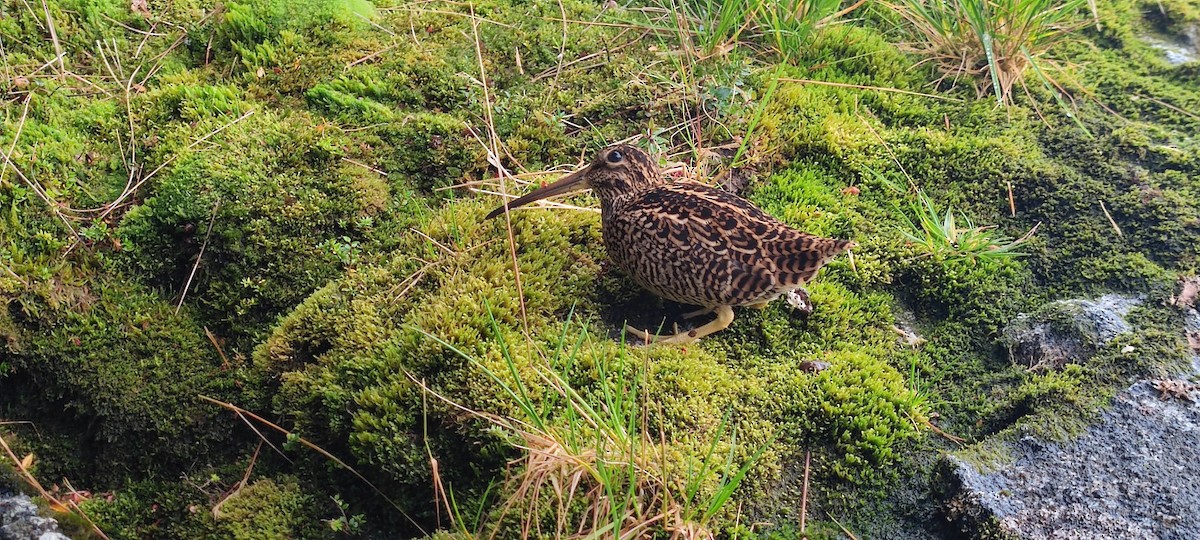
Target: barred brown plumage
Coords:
[[689, 242]]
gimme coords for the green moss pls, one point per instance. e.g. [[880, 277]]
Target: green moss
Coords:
[[860, 406], [114, 358], [285, 214], [354, 129], [265, 33], [267, 509]]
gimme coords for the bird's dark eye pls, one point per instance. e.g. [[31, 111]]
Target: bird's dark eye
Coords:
[[615, 156]]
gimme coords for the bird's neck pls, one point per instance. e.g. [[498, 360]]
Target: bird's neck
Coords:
[[611, 204]]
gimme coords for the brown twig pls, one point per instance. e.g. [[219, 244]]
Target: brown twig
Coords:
[[843, 527], [216, 509], [804, 491], [1112, 221], [1194, 116], [1012, 205], [220, 352], [23, 472], [365, 166]]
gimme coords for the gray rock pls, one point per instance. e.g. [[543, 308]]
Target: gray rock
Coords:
[[1067, 331], [1133, 475], [19, 520], [1178, 49]]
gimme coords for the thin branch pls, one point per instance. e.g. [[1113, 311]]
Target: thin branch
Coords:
[[199, 256], [62, 66], [1111, 221], [216, 509], [28, 477], [245, 413]]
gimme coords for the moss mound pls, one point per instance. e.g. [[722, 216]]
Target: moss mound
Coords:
[[279, 203]]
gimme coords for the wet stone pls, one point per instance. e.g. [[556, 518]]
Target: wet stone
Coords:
[[1178, 49], [1067, 331], [1132, 475]]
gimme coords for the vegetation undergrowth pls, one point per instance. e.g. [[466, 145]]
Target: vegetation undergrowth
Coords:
[[595, 470], [278, 204], [993, 42]]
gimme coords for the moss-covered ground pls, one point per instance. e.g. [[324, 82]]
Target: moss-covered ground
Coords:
[[278, 204]]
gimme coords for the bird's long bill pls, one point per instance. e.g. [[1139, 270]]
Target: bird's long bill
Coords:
[[566, 184]]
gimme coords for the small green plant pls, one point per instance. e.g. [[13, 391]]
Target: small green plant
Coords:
[[718, 26], [345, 249], [787, 24], [348, 524], [992, 41], [940, 235]]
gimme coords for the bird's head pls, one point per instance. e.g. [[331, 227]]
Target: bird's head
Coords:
[[617, 172]]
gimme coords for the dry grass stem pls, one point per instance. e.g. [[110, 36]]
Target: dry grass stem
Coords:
[[804, 491], [1169, 106], [217, 345], [365, 166], [494, 153], [62, 66], [842, 527], [37, 188], [199, 256], [22, 469], [237, 488], [911, 184], [110, 207], [1111, 221]]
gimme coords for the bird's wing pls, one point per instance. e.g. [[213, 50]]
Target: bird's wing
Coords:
[[746, 252]]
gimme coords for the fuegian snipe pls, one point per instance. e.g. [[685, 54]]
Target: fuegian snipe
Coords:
[[689, 242]]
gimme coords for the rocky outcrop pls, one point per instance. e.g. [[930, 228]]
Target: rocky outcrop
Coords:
[[1067, 331], [1131, 475], [19, 520]]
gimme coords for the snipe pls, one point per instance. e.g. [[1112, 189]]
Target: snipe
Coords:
[[689, 242]]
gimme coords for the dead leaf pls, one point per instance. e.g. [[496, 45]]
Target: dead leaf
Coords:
[[141, 7], [1189, 288], [27, 462]]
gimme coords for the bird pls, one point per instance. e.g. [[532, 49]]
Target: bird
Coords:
[[689, 242]]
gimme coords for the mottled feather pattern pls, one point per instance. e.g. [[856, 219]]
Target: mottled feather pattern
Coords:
[[699, 245]]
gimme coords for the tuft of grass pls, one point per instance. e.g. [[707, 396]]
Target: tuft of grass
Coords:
[[947, 237], [592, 466], [717, 27], [993, 42]]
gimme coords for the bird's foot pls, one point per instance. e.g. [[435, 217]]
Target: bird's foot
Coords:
[[697, 313], [723, 320]]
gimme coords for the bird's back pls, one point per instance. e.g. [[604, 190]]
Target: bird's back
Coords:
[[698, 245]]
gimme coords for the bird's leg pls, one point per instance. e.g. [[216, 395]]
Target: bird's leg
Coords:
[[760, 305], [697, 313], [723, 320]]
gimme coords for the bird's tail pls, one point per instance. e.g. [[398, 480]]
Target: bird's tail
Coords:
[[808, 255]]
